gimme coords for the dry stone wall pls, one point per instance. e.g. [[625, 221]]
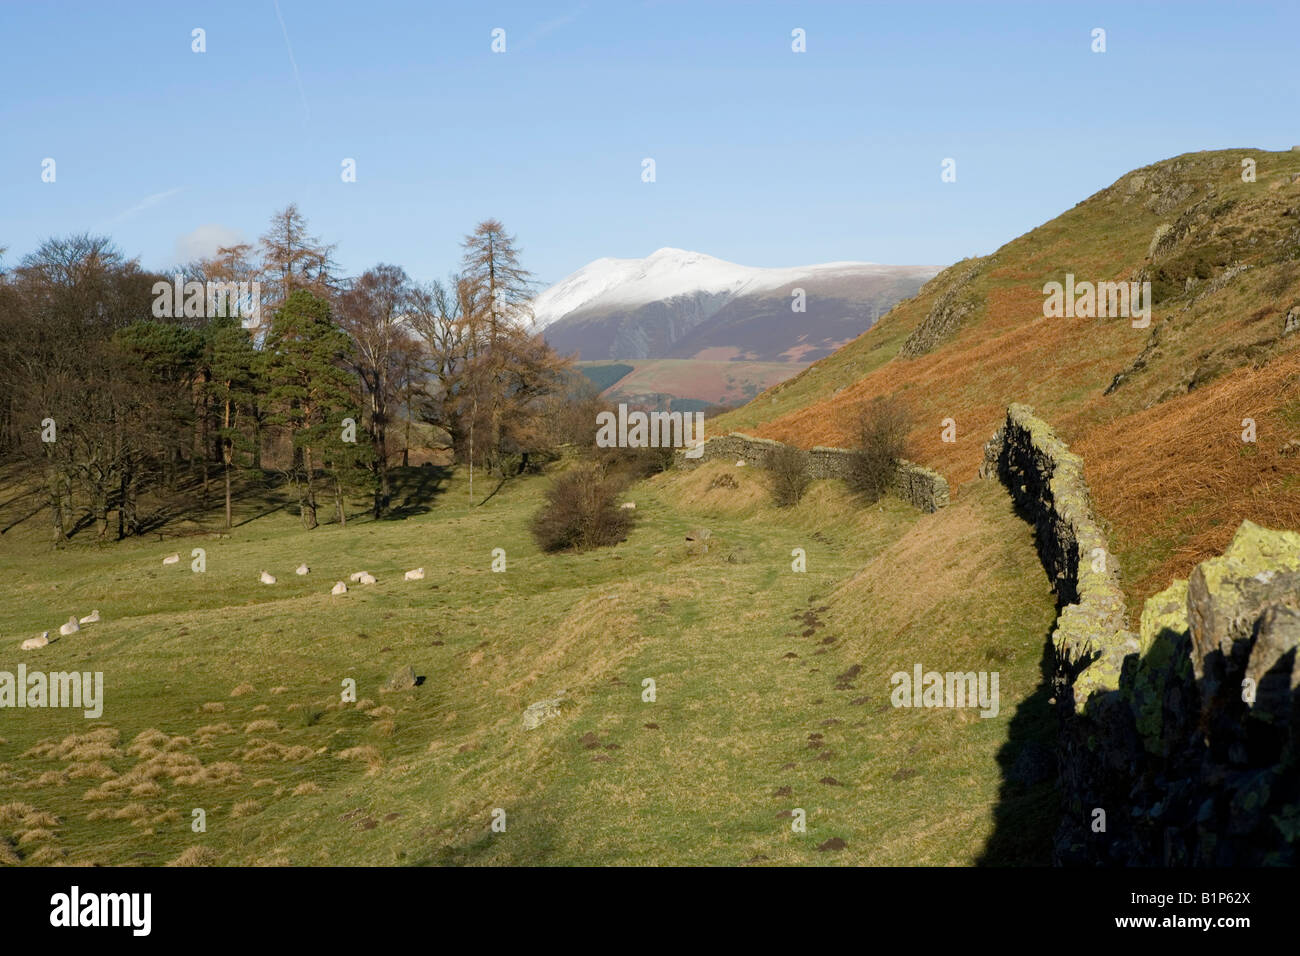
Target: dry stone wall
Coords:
[[1179, 743], [915, 484]]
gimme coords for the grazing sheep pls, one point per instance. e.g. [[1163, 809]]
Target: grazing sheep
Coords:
[[172, 559], [366, 578], [740, 464], [339, 588], [302, 569], [35, 643], [416, 575], [267, 578], [72, 627], [91, 618], [357, 576], [629, 505]]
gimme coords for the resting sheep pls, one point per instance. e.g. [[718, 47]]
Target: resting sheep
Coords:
[[171, 559], [339, 588], [416, 575], [35, 643], [302, 569], [267, 578], [71, 627], [91, 618]]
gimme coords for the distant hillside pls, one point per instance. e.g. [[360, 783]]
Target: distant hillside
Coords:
[[678, 304], [1157, 412], [696, 383]]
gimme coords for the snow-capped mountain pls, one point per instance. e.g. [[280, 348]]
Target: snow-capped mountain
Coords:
[[679, 304]]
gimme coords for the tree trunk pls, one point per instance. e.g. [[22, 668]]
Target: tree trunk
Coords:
[[309, 496]]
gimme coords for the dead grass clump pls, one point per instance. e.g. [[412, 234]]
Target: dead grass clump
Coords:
[[245, 808], [146, 789], [34, 835], [96, 769], [261, 727], [213, 707], [196, 856], [147, 743], [214, 730], [14, 813], [39, 818], [242, 689], [132, 811], [46, 855], [364, 752], [305, 788]]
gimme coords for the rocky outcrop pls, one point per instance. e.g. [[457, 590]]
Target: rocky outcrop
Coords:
[[1179, 744], [919, 486], [950, 309]]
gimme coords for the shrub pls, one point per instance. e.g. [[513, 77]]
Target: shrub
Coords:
[[882, 441], [788, 467], [581, 511]]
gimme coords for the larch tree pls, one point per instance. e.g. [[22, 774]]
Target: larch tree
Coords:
[[373, 312]]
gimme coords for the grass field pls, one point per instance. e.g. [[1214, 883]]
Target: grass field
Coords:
[[772, 688]]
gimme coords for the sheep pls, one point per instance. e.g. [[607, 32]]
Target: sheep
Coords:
[[416, 575], [72, 627], [91, 618], [172, 559], [629, 505], [35, 643], [267, 578], [302, 569], [366, 578], [357, 576], [339, 588]]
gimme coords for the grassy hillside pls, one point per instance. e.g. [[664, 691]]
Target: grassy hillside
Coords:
[[772, 688], [1156, 412]]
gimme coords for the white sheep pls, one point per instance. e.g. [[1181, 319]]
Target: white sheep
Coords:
[[172, 559], [91, 618], [35, 643], [366, 578], [302, 569], [357, 576], [339, 588], [267, 578], [71, 627], [629, 505], [416, 575]]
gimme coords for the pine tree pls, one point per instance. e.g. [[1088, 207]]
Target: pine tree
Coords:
[[309, 386]]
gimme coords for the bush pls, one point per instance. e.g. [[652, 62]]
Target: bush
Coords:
[[581, 511], [788, 467], [882, 442]]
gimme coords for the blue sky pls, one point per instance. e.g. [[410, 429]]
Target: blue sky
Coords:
[[763, 156]]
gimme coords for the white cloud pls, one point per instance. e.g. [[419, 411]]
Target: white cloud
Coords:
[[204, 241]]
